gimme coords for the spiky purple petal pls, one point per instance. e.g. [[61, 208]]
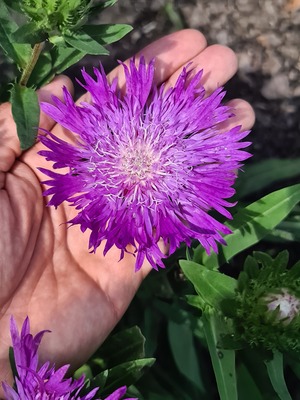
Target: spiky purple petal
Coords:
[[44, 383]]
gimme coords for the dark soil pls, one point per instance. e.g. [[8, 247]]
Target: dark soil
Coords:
[[265, 34]]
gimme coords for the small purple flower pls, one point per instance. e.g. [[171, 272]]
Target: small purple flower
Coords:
[[44, 383], [147, 165]]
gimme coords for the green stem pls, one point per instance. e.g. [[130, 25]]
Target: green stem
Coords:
[[36, 51]]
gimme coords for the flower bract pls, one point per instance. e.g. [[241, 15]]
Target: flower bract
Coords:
[[148, 165]]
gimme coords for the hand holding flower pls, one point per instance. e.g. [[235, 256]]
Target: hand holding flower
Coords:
[[46, 269]]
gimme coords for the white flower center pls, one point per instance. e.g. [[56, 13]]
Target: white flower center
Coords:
[[137, 163], [287, 304]]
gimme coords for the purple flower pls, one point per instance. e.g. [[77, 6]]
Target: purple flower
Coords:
[[147, 165], [44, 383]]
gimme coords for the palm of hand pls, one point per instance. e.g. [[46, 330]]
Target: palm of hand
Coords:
[[46, 270], [48, 273]]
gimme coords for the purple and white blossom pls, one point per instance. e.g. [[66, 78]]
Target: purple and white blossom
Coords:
[[149, 165]]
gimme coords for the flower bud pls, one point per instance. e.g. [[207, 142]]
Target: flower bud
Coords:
[[285, 302], [56, 16]]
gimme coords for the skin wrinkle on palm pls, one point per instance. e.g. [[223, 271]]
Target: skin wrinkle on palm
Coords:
[[67, 281]]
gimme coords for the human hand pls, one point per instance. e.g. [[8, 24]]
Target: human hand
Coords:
[[46, 270]]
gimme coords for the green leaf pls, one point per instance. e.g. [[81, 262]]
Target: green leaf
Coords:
[[20, 54], [252, 223], [64, 57], [29, 33], [212, 286], [265, 173], [223, 361], [182, 345], [85, 43], [276, 375], [61, 59], [85, 370], [124, 346], [124, 374], [195, 301], [107, 33], [254, 361], [26, 112], [247, 388]]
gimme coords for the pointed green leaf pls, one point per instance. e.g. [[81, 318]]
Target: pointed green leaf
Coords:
[[223, 360], [124, 374], [124, 346], [20, 54], [276, 375], [212, 286], [26, 112], [106, 34], [85, 43], [253, 223]]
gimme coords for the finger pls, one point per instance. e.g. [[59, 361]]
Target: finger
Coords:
[[219, 64], [243, 115], [170, 52]]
